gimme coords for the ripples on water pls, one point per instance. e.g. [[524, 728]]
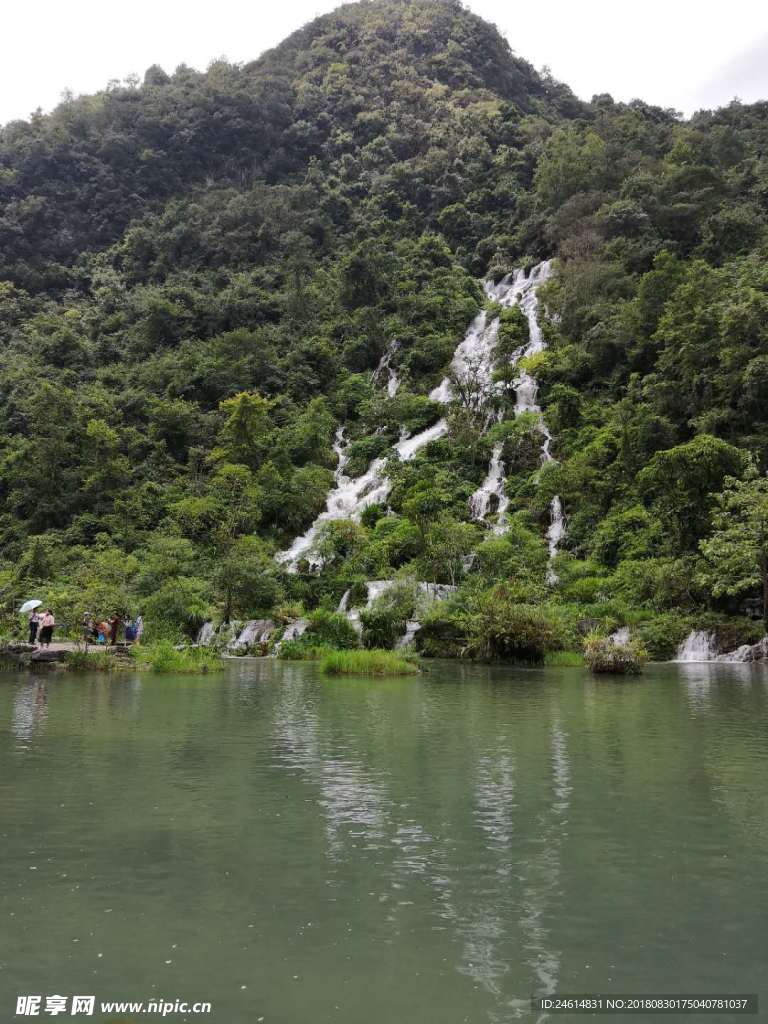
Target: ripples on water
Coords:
[[445, 846]]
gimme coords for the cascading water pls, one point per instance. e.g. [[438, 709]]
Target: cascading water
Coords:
[[349, 497], [490, 497], [698, 646], [206, 634], [517, 288], [385, 367], [522, 290], [473, 359]]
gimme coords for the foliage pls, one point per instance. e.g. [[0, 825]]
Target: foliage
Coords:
[[736, 555], [368, 663], [164, 657], [200, 274], [603, 656], [500, 628]]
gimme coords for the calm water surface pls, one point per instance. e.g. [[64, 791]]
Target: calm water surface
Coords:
[[302, 850]]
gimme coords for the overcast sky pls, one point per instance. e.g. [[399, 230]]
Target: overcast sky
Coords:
[[685, 54]]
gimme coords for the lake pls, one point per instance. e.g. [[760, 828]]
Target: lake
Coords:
[[427, 849]]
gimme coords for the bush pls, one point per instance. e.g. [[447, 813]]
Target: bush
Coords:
[[367, 663], [331, 629], [661, 635], [502, 630], [442, 634], [386, 619], [166, 658], [81, 660], [602, 655], [302, 650]]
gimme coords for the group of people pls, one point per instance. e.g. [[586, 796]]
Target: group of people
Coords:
[[106, 631], [41, 625]]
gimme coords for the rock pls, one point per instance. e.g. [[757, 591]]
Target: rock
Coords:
[[747, 652]]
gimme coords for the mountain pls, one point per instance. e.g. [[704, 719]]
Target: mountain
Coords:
[[201, 273]]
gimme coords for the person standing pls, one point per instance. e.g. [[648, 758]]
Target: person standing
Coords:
[[34, 625], [47, 622], [114, 625], [138, 625]]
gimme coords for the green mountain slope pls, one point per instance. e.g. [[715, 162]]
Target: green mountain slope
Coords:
[[199, 275]]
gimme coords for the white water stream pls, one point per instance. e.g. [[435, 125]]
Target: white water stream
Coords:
[[472, 363]]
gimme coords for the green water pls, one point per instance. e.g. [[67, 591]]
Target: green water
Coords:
[[431, 849]]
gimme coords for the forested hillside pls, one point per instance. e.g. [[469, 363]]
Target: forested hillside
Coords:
[[201, 273]]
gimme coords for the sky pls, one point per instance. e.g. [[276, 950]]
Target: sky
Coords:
[[685, 54]]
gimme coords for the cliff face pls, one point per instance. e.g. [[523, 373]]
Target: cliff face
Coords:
[[201, 274]]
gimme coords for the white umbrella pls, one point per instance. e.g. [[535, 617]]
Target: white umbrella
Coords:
[[29, 605]]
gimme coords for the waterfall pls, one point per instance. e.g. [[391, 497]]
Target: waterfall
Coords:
[[349, 497], [516, 289], [411, 629], [206, 634], [747, 652], [473, 362], [698, 646], [620, 637], [385, 366], [482, 502], [521, 290], [555, 533]]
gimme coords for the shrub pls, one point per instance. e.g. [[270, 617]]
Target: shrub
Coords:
[[302, 650], [661, 635], [442, 634], [80, 660], [166, 658], [368, 663], [385, 621], [331, 629], [602, 655], [502, 630]]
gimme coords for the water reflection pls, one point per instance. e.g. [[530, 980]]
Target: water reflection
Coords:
[[542, 872], [30, 711], [353, 802]]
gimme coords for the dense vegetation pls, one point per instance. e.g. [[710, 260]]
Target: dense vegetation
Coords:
[[199, 273]]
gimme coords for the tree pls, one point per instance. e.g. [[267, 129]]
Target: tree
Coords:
[[679, 483], [736, 554], [245, 436], [246, 580]]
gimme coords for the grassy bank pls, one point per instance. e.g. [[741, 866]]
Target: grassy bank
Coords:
[[564, 659], [164, 657], [367, 663]]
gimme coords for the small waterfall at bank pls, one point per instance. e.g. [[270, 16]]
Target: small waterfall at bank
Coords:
[[206, 634], [698, 646], [620, 637]]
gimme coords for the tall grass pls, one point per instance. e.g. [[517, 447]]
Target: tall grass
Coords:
[[102, 660], [564, 659], [300, 650], [367, 663], [163, 657]]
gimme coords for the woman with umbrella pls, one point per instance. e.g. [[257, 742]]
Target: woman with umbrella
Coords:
[[34, 618]]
